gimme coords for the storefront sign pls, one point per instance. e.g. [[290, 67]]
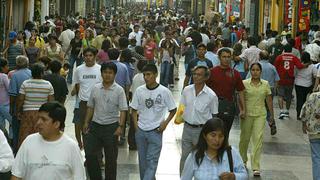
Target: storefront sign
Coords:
[[304, 15], [288, 11]]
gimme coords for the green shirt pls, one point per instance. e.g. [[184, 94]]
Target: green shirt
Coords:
[[255, 97]]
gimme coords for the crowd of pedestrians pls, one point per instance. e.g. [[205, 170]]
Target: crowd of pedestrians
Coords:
[[111, 65]]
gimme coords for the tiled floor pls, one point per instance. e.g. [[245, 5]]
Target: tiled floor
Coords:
[[286, 156]]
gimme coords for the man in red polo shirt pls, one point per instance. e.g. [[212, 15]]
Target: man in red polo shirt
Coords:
[[225, 81], [285, 64]]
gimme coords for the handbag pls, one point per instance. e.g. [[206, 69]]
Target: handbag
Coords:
[[226, 107]]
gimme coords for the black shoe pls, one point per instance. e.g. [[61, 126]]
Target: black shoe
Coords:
[[132, 148]]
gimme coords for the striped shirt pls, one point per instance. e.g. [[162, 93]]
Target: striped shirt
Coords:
[[36, 93]]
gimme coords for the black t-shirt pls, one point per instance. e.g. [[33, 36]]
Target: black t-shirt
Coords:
[[196, 38], [197, 62], [59, 86], [76, 46]]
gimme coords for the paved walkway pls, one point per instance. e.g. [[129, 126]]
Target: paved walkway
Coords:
[[286, 156]]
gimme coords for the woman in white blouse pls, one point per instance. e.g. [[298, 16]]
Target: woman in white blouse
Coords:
[[210, 160], [303, 82]]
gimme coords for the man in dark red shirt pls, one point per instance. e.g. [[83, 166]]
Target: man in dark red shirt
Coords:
[[225, 81], [285, 64]]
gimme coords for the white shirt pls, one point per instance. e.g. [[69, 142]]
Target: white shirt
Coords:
[[205, 39], [65, 38], [152, 106], [199, 108], [38, 159], [6, 155], [137, 36], [251, 55], [87, 77], [303, 77], [137, 81]]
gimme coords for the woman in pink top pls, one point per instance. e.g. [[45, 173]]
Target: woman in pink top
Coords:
[[102, 55]]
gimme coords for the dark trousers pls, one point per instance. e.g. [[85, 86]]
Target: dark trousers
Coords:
[[302, 93], [228, 121], [131, 134], [15, 130], [101, 136], [5, 176]]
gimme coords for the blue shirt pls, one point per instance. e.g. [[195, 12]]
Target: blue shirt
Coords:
[[239, 66], [209, 169], [122, 76], [269, 73], [213, 58], [17, 79]]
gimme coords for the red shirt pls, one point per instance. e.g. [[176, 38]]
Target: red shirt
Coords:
[[285, 64], [223, 83], [148, 50], [298, 44]]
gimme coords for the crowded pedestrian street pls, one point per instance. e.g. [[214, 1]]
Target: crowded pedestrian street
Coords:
[[286, 156], [160, 90]]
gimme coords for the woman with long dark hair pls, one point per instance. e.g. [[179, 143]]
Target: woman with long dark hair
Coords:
[[210, 159]]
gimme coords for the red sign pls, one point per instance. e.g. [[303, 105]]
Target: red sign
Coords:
[[288, 10]]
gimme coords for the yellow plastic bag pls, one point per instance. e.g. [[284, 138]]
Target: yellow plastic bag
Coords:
[[179, 119]]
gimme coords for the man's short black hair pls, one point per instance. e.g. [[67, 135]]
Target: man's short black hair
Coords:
[[109, 65], [3, 62], [113, 53], [252, 41], [210, 46], [93, 50], [123, 42], [287, 48], [56, 111], [37, 70], [141, 64], [224, 49], [55, 66], [150, 67]]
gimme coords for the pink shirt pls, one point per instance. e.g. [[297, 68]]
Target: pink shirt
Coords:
[[102, 56], [4, 87]]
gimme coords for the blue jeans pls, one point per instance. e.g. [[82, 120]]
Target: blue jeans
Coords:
[[73, 59], [315, 155], [165, 73], [149, 144], [5, 115]]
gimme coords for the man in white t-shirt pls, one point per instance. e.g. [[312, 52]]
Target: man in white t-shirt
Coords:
[[136, 34], [65, 37], [6, 158], [49, 154], [85, 77], [151, 102]]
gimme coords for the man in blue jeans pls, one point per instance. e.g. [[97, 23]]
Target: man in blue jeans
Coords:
[[151, 102]]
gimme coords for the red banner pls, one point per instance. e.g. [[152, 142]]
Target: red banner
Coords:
[[288, 10]]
